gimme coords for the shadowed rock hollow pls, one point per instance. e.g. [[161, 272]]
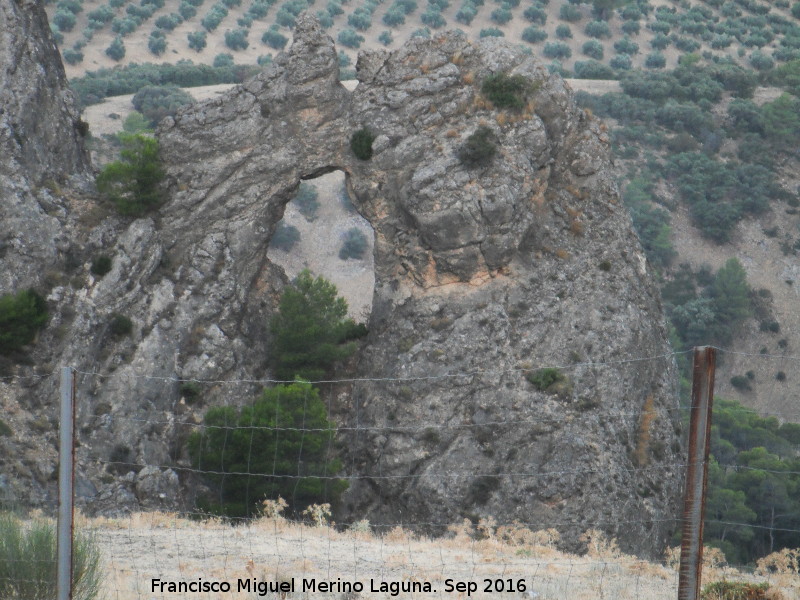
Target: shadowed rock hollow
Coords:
[[482, 275]]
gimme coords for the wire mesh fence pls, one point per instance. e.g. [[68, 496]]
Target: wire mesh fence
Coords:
[[242, 508]]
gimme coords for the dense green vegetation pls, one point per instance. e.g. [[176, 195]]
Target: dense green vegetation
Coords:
[[754, 479], [28, 562], [97, 85], [156, 102], [311, 331], [479, 148], [133, 182], [21, 316], [361, 143], [507, 91], [280, 445]]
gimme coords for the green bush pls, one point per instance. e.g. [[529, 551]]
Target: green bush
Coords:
[[506, 91], [133, 183], [186, 11], [761, 61], [197, 40], [597, 29], [659, 41], [190, 391], [170, 21], [158, 101], [101, 265], [28, 556], [626, 46], [734, 590], [479, 148], [360, 19], [361, 143], [385, 38], [621, 62], [354, 245], [570, 13], [535, 14], [563, 32], [120, 325], [741, 383], [433, 18], [394, 17], [157, 43], [594, 49], [655, 60], [533, 34], [501, 15], [64, 20], [306, 200], [492, 32], [274, 38], [548, 380], [311, 330], [280, 446], [557, 49], [782, 120], [350, 39], [223, 59], [285, 237], [21, 316], [214, 17], [631, 28], [116, 50], [72, 56], [236, 39], [591, 69]]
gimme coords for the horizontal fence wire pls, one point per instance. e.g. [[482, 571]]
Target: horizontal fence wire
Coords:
[[194, 545]]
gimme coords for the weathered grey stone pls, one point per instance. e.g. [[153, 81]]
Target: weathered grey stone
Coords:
[[483, 274]]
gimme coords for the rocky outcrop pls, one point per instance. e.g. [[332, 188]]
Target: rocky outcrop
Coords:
[[483, 275], [41, 142]]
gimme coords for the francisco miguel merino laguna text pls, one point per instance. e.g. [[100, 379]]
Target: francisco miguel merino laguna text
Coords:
[[262, 588]]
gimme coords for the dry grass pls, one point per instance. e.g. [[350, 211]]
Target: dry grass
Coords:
[[144, 546]]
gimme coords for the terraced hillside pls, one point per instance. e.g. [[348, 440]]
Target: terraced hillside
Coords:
[[573, 35]]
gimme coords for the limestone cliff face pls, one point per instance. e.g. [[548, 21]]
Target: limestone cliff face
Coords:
[[483, 274], [41, 141]]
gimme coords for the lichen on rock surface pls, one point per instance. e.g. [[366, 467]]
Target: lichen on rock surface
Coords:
[[484, 272]]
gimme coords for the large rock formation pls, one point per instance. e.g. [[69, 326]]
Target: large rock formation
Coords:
[[483, 274], [41, 142]]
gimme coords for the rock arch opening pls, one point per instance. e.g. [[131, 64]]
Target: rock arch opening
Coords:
[[322, 231]]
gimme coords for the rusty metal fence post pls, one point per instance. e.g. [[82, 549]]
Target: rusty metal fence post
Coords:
[[694, 499]]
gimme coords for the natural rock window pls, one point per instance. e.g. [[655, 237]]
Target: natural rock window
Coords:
[[322, 231]]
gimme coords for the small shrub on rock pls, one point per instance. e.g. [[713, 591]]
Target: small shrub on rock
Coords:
[[506, 91], [479, 148], [101, 265], [21, 316], [133, 183], [548, 380], [120, 325], [361, 143]]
